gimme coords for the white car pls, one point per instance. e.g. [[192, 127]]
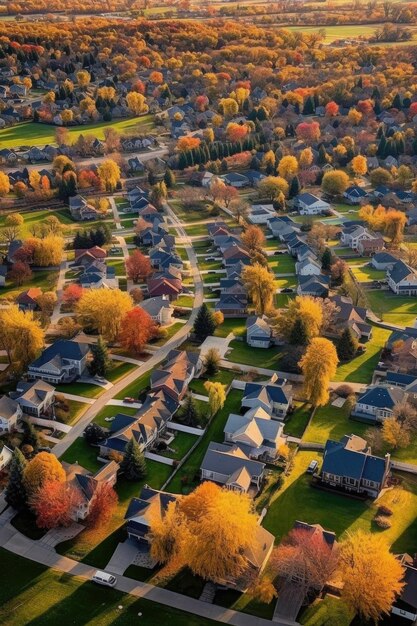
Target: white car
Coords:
[[103, 578]]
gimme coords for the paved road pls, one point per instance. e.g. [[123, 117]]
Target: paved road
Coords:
[[156, 358]]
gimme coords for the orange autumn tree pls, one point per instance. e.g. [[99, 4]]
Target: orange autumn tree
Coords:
[[137, 328], [188, 143], [138, 266], [103, 506], [236, 132], [72, 294], [43, 468], [53, 504]]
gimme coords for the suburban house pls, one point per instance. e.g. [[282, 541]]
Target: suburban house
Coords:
[[3, 274], [141, 512], [161, 259], [355, 194], [282, 226], [352, 234], [259, 436], [404, 355], [97, 275], [231, 305], [86, 256], [258, 332], [81, 210], [176, 373], [159, 309], [377, 403], [261, 213], [167, 283], [349, 465], [62, 362], [369, 247], [274, 397], [10, 414], [234, 179], [87, 485], [6, 455], [231, 466], [402, 279], [145, 426], [308, 267], [235, 253], [383, 261], [13, 247], [27, 300], [312, 285], [309, 204], [347, 315], [405, 605], [256, 558], [35, 397]]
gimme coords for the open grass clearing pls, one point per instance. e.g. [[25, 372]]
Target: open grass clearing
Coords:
[[393, 309], [235, 325], [241, 352], [119, 369], [134, 389], [366, 273], [282, 264], [81, 389], [361, 368], [111, 411], [44, 279], [194, 230]]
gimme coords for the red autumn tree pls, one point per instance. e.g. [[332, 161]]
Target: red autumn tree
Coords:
[[308, 131], [236, 132], [72, 294], [137, 328], [103, 506], [25, 253], [54, 503], [332, 108], [227, 193], [365, 106], [201, 103], [138, 266], [19, 273]]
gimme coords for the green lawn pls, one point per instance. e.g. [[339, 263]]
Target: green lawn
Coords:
[[119, 266], [209, 265], [286, 283], [184, 301], [235, 325], [366, 273], [44, 279], [330, 422], [189, 472], [282, 299], [111, 411], [119, 370], [223, 376], [71, 416], [36, 134], [393, 309], [298, 500], [361, 369], [170, 332], [134, 389], [196, 229], [296, 423], [329, 611], [212, 278], [258, 357], [181, 444], [38, 596], [83, 454], [282, 264], [81, 389]]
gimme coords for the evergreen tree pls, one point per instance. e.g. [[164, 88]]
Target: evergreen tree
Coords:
[[15, 490], [133, 465], [204, 324], [100, 364], [396, 103], [308, 108], [30, 435], [326, 259], [382, 146], [347, 345], [299, 335], [94, 433], [169, 178], [189, 412], [294, 187], [152, 180], [322, 156]]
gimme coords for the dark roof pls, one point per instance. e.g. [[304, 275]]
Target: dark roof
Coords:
[[341, 460], [381, 397], [275, 393], [65, 349], [400, 271], [401, 380]]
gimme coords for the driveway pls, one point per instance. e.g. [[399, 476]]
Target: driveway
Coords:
[[124, 555], [221, 344]]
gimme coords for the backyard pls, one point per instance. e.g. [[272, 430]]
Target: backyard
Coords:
[[393, 309], [241, 352], [361, 368]]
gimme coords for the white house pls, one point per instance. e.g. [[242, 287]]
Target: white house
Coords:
[[159, 308], [309, 204], [10, 414], [308, 267], [352, 235], [257, 432], [261, 213], [258, 332], [402, 279], [35, 397], [5, 457]]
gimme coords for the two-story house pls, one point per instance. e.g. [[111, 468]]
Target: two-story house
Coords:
[[274, 397], [402, 279], [258, 332], [377, 403], [10, 414], [62, 362], [231, 467]]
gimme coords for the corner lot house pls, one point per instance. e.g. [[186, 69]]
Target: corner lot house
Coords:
[[309, 204], [258, 332], [61, 362], [142, 511], [349, 465], [10, 413]]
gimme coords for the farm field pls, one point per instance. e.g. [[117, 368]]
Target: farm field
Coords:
[[36, 134]]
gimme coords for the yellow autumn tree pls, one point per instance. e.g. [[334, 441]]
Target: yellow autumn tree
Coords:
[[47, 252], [335, 183], [302, 311], [371, 575], [136, 103], [271, 186], [228, 107], [306, 158], [209, 516], [260, 285], [104, 310], [4, 184], [44, 467], [288, 167], [318, 366], [359, 165], [395, 434], [21, 336], [109, 174], [217, 396]]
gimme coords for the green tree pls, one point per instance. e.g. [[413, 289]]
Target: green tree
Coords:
[[16, 491], [189, 412], [326, 259], [211, 362], [347, 345], [133, 465], [299, 334], [204, 324], [100, 364], [169, 178], [30, 436]]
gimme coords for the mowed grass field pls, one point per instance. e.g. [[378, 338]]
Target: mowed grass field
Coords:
[[35, 134], [344, 31]]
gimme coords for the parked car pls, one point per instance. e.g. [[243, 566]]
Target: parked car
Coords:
[[103, 578], [287, 290], [312, 467], [129, 400]]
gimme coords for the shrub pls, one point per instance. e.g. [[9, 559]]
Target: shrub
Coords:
[[382, 522], [344, 391], [384, 510]]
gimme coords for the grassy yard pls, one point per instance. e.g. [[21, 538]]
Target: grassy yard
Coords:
[[235, 325], [361, 369], [119, 266], [330, 610], [393, 309], [196, 229], [330, 422], [184, 301], [44, 279], [282, 299], [135, 388], [297, 499], [119, 370], [297, 422], [36, 134], [282, 264], [181, 444], [190, 470], [366, 273], [71, 417], [81, 389], [110, 411], [258, 357], [83, 454], [209, 265], [38, 595], [223, 376], [286, 283], [170, 332]]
